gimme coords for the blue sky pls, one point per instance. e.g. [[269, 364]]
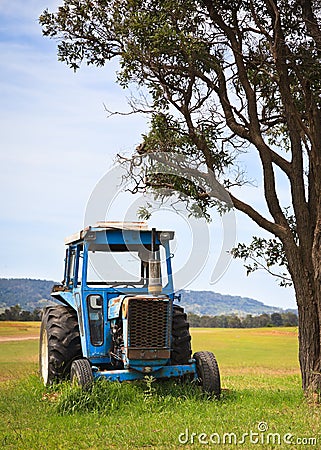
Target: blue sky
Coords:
[[57, 143]]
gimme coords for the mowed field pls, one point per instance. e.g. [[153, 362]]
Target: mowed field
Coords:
[[18, 349], [262, 405]]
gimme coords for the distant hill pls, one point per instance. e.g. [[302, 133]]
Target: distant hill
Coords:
[[214, 304], [31, 294], [28, 293]]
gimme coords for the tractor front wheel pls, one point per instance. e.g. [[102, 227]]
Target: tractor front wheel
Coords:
[[81, 373], [208, 373], [59, 343]]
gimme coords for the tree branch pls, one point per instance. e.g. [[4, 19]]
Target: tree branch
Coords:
[[272, 227]]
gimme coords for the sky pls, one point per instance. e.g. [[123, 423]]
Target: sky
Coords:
[[58, 150]]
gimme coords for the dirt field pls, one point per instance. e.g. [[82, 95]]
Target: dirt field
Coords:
[[17, 338]]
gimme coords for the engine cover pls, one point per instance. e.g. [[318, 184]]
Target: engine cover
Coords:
[[147, 329]]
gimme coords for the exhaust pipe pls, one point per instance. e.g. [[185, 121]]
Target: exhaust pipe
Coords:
[[154, 281]]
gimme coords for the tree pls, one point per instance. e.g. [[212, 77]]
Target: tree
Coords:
[[16, 313], [264, 320], [194, 320], [222, 78], [234, 322], [276, 320], [248, 321], [290, 319]]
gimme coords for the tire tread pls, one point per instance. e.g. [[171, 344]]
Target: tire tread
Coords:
[[208, 372], [181, 338], [63, 340]]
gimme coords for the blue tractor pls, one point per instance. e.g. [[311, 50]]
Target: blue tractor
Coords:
[[116, 316]]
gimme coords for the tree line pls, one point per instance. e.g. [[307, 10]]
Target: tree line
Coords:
[[286, 319], [16, 313]]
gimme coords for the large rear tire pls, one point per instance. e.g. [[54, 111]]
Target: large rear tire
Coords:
[[181, 338], [208, 373], [59, 343]]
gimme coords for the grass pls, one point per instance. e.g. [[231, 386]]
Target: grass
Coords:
[[261, 385], [18, 359], [19, 329], [256, 350]]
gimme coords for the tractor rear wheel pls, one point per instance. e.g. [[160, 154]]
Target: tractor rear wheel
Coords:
[[59, 343], [181, 338], [81, 373], [208, 373]]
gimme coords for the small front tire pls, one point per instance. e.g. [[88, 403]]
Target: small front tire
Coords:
[[81, 373], [208, 373]]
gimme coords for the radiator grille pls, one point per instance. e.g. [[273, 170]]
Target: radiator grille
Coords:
[[148, 323]]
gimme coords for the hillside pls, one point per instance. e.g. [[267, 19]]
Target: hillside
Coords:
[[31, 294], [28, 293], [214, 304]]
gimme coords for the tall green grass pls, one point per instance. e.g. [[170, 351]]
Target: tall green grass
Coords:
[[261, 385], [150, 415]]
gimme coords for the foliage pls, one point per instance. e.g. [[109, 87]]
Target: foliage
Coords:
[[268, 254], [217, 79], [16, 313], [264, 254]]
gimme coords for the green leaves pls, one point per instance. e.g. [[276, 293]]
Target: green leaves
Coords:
[[264, 254]]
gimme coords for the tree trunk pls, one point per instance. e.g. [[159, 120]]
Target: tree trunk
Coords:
[[308, 295], [309, 345]]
